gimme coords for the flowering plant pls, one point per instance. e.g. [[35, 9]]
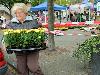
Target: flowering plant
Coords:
[[24, 38]]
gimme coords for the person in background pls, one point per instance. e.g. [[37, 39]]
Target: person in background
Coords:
[[26, 60], [86, 13], [93, 15]]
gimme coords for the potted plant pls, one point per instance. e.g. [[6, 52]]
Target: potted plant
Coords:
[[24, 39]]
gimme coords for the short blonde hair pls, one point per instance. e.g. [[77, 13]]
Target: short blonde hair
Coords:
[[20, 6]]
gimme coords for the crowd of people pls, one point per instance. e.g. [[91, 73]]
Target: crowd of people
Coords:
[[64, 16], [81, 17]]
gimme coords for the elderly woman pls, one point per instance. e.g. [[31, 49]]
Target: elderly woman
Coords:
[[26, 60]]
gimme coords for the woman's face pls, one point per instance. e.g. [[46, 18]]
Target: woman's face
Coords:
[[20, 14]]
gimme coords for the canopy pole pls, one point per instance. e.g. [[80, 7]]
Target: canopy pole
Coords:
[[45, 17], [89, 14]]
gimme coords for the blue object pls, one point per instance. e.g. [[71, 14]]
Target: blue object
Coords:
[[3, 69], [44, 6]]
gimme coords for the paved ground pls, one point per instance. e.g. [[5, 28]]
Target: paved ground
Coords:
[[61, 62]]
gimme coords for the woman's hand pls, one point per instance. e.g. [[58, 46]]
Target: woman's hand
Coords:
[[2, 47]]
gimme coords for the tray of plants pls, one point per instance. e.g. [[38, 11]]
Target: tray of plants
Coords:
[[24, 39]]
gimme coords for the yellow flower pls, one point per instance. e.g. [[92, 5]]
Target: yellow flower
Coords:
[[36, 30], [5, 33], [42, 30], [27, 31], [10, 30], [17, 31]]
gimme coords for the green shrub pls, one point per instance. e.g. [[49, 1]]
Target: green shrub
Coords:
[[85, 50]]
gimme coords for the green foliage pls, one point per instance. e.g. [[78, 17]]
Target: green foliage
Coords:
[[10, 3], [7, 3], [67, 2], [37, 2], [79, 27], [85, 50], [24, 39], [60, 2]]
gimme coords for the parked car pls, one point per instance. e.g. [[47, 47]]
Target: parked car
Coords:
[[3, 64]]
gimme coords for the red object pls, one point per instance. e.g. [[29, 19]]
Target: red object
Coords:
[[68, 24], [1, 56], [96, 22], [59, 25], [45, 25], [56, 24], [81, 24], [2, 61]]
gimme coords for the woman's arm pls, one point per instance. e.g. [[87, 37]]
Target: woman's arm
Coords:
[[2, 47]]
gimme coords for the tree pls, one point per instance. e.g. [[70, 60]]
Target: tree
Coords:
[[51, 24], [7, 3], [37, 2], [66, 2]]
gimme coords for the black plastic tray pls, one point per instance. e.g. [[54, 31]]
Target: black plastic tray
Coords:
[[30, 49]]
